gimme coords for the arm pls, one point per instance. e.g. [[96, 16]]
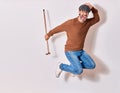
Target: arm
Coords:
[[57, 29], [96, 17]]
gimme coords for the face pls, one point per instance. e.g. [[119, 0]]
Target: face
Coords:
[[83, 15]]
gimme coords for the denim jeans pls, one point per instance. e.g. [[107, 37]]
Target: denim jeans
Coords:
[[79, 60]]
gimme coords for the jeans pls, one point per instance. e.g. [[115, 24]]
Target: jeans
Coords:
[[79, 60]]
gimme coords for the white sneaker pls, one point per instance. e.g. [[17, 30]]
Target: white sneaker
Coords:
[[58, 71]]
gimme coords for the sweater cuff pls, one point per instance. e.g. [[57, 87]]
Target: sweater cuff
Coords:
[[49, 34]]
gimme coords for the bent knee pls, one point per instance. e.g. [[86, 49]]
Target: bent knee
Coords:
[[92, 66]]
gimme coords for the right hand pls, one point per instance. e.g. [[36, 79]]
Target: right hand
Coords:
[[90, 5], [46, 37]]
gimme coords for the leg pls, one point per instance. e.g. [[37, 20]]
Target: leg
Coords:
[[75, 65], [87, 61]]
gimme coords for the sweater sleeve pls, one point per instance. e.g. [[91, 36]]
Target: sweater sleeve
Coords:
[[58, 29], [95, 18]]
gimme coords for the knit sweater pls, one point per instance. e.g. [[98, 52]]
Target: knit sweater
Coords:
[[75, 31]]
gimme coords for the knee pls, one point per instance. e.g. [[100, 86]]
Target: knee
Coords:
[[92, 66]]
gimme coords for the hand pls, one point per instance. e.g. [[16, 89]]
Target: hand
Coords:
[[89, 5], [46, 37]]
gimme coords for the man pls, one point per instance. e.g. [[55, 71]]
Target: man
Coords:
[[76, 30]]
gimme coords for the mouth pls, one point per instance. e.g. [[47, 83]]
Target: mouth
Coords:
[[83, 17]]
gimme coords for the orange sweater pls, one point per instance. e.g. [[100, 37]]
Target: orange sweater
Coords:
[[76, 31]]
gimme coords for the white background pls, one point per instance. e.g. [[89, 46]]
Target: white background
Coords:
[[24, 67]]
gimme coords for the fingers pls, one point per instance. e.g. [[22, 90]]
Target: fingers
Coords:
[[46, 37]]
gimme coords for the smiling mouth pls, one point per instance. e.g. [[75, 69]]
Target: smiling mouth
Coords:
[[83, 18]]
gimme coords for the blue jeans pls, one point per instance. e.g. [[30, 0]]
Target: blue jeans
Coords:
[[79, 60]]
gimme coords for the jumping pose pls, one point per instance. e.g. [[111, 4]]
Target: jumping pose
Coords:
[[76, 30]]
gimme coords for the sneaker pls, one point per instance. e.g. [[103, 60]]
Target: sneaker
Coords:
[[58, 71]]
